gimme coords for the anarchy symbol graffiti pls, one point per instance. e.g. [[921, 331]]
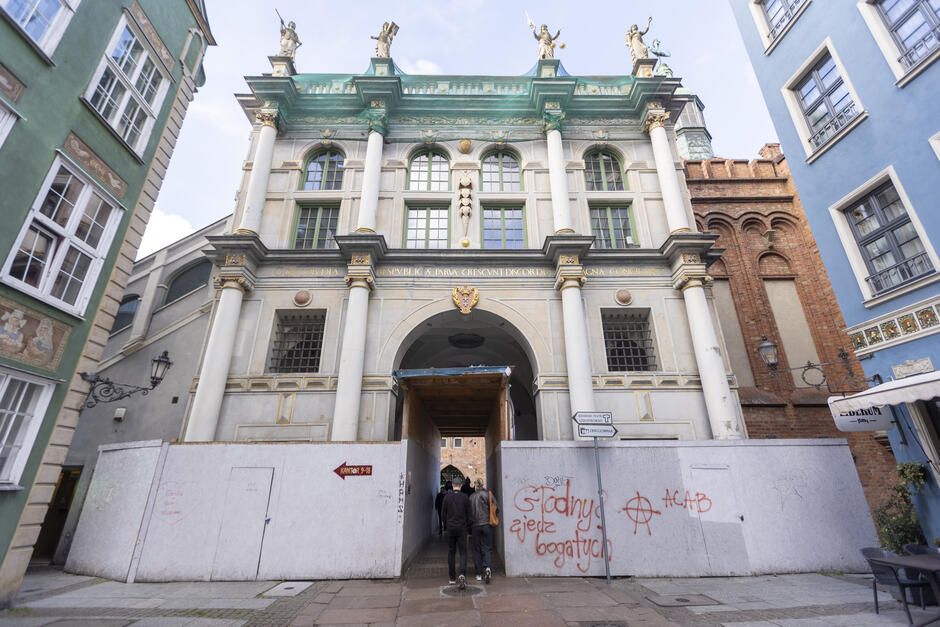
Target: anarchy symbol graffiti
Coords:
[[640, 511]]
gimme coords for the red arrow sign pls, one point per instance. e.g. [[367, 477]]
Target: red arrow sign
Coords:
[[353, 471]]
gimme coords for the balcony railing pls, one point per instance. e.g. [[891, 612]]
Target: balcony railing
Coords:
[[784, 18], [921, 48], [900, 273], [834, 125]]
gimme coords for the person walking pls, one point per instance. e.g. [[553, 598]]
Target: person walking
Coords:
[[456, 514], [438, 503], [482, 502], [466, 488]]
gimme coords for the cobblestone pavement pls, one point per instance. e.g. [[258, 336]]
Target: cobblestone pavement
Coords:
[[50, 597]]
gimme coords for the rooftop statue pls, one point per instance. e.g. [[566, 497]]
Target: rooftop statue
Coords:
[[638, 49], [657, 49], [384, 41], [545, 39], [289, 39]]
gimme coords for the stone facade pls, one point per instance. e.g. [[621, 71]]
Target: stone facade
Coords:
[[755, 210]]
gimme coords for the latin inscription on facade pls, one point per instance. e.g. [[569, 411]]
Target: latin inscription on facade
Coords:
[[446, 272]]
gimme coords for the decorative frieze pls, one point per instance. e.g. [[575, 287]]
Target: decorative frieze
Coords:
[[900, 327], [29, 337], [10, 86], [85, 156], [151, 34]]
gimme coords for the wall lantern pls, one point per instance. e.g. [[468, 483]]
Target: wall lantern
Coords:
[[104, 390], [813, 374]]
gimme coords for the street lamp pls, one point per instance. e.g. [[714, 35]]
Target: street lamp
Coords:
[[104, 390], [812, 374]]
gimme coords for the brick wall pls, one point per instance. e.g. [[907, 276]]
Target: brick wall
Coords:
[[754, 208], [469, 458]]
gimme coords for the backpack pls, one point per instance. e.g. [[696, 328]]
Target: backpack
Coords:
[[494, 518]]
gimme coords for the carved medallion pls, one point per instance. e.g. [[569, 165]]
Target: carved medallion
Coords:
[[234, 260], [464, 146], [623, 297], [361, 259], [908, 325], [465, 297], [302, 298], [568, 259], [926, 317]]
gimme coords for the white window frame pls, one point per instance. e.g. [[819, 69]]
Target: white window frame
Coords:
[[763, 25], [152, 111], [792, 99], [8, 117], [935, 144], [850, 245], [28, 437], [66, 240], [888, 46], [51, 38]]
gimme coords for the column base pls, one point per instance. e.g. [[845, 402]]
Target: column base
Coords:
[[241, 231]]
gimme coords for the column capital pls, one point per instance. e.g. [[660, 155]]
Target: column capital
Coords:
[[376, 116], [655, 117], [267, 117], [234, 280], [569, 273], [552, 117], [688, 270], [360, 271]]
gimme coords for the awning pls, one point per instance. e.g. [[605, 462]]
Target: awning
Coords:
[[920, 387]]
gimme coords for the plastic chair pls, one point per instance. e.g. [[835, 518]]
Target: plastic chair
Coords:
[[890, 576]]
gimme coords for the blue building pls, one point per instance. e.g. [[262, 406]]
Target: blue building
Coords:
[[854, 92]]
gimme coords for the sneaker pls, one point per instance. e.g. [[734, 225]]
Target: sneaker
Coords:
[[479, 578], [488, 574], [462, 582], [452, 582]]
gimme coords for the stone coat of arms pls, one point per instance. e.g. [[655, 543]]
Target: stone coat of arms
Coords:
[[465, 298]]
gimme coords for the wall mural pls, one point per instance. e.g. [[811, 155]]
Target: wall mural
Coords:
[[29, 337]]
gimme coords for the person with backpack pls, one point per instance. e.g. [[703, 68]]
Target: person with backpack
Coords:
[[484, 515]]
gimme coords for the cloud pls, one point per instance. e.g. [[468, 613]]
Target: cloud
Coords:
[[162, 230], [421, 66]]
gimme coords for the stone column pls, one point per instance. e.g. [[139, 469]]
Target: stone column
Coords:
[[676, 217], [569, 276], [369, 199], [360, 278], [204, 414], [260, 172], [558, 178], [723, 416]]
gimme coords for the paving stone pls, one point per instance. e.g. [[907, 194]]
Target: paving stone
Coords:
[[541, 618], [288, 589], [340, 616], [365, 602], [465, 618], [578, 599], [511, 603], [428, 606], [324, 597], [378, 589]]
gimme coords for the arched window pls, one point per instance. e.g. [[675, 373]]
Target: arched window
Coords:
[[193, 277], [125, 313], [429, 171], [324, 171], [602, 172], [501, 172]]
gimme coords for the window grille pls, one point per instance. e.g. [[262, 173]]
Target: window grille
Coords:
[[779, 13], [602, 172], [429, 171], [298, 341], [324, 171], [914, 26], [501, 172], [887, 239], [503, 227], [611, 227], [316, 227], [628, 341], [826, 103]]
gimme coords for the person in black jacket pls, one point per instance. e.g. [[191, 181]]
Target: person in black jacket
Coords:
[[466, 488], [456, 514], [438, 503]]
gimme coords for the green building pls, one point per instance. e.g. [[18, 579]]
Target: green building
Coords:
[[92, 98]]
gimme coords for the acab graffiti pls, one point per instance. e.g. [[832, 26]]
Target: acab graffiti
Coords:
[[545, 517]]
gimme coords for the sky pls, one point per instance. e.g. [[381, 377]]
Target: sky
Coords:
[[442, 37]]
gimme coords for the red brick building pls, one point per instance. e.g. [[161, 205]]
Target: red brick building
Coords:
[[770, 282], [465, 455]]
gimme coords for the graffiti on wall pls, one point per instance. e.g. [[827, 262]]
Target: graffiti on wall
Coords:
[[562, 523]]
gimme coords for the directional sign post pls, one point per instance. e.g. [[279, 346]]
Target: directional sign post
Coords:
[[344, 470], [598, 424]]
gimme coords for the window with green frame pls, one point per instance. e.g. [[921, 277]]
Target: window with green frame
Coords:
[[316, 227], [427, 227], [611, 226], [503, 227], [429, 171], [324, 171], [602, 172], [501, 172]]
